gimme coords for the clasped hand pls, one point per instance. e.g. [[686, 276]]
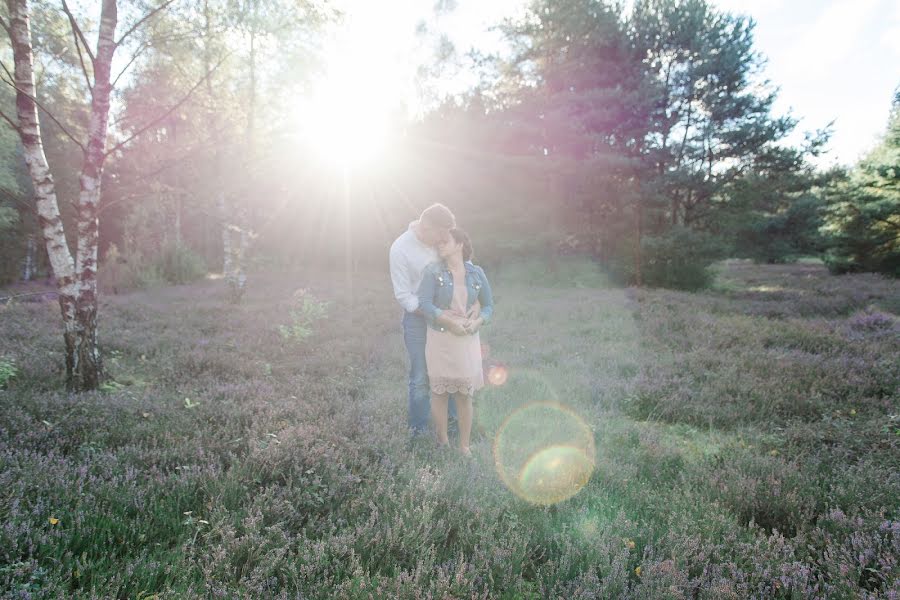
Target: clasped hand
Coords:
[[465, 326]]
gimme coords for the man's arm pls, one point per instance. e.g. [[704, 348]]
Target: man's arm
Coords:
[[403, 291]]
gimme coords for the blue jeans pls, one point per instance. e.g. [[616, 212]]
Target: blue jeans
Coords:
[[414, 328]]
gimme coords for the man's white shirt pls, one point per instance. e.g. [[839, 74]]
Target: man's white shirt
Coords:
[[408, 259]]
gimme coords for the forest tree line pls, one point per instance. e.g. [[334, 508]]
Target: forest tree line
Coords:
[[154, 142], [651, 133]]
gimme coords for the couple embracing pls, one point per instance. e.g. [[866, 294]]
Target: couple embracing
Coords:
[[446, 300]]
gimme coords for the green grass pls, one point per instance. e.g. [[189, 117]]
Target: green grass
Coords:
[[744, 443], [559, 272]]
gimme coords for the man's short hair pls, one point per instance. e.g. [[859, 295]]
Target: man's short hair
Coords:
[[438, 216]]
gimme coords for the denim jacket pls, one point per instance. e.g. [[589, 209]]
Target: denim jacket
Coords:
[[436, 291]]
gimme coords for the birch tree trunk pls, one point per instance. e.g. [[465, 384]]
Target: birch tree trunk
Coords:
[[88, 367], [76, 278], [239, 283], [222, 207], [244, 212], [178, 200], [49, 220], [225, 217], [28, 267]]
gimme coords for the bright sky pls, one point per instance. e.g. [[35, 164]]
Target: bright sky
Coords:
[[832, 59]]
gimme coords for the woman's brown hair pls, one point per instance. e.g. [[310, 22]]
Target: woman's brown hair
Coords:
[[461, 237]]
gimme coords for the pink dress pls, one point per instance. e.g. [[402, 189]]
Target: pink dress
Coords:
[[454, 361]]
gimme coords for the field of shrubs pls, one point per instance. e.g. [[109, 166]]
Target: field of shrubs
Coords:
[[745, 443]]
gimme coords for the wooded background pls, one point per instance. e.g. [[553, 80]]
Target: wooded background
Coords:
[[155, 143]]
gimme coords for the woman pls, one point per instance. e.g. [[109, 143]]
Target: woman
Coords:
[[449, 288]]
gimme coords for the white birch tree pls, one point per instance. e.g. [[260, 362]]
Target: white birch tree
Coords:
[[76, 275]]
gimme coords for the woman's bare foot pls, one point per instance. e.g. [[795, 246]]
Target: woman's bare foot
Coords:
[[466, 452]]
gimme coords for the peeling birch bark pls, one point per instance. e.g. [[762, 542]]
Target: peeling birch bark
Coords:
[[87, 347], [49, 220], [237, 240]]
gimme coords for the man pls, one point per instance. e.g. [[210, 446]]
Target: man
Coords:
[[410, 254]]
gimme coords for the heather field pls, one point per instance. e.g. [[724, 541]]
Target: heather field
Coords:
[[745, 444]]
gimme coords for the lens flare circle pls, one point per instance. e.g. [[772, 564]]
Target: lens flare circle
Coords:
[[544, 452], [555, 474], [497, 375]]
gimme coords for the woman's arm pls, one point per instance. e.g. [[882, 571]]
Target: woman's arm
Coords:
[[426, 295], [486, 298]]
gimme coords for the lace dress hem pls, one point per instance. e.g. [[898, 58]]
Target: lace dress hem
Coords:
[[454, 385]]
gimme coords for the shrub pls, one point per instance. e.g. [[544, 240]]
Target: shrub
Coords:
[[680, 259], [7, 370], [178, 264], [782, 237], [121, 272], [175, 264], [871, 322], [306, 310]]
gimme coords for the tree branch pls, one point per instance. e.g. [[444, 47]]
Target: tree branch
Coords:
[[87, 78], [144, 19], [6, 299], [860, 213], [15, 127], [76, 30], [134, 57], [15, 197], [172, 109], [10, 82]]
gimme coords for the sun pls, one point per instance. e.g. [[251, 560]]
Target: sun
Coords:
[[346, 124], [349, 118]]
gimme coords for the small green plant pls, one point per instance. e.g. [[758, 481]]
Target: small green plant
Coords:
[[8, 370], [111, 386], [307, 309]]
